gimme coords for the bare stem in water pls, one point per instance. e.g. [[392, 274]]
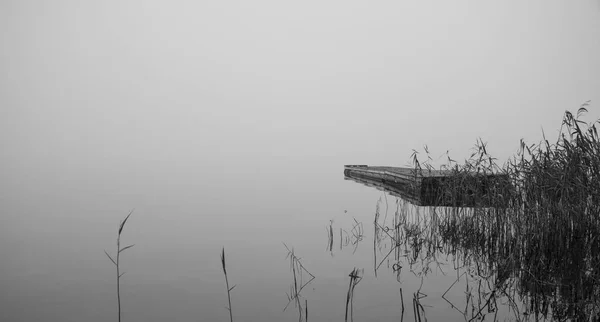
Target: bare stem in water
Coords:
[[116, 262], [355, 278], [227, 284]]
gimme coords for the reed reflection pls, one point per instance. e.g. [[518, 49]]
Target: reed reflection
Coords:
[[527, 245]]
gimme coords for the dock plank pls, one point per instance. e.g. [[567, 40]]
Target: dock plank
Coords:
[[430, 187]]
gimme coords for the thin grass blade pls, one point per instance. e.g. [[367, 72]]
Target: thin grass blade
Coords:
[[112, 260], [123, 223], [126, 247]]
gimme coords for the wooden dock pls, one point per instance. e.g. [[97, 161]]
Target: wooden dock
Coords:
[[432, 187]]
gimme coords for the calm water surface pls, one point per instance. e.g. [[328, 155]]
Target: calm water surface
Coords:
[[55, 268]]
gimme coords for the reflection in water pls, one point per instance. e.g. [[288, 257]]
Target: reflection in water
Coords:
[[355, 277], [527, 266], [353, 237], [527, 245], [347, 238], [299, 282]]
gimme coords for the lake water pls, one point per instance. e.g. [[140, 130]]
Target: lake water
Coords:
[[55, 267]]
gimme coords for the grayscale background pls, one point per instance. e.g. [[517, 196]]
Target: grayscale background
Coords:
[[227, 123]]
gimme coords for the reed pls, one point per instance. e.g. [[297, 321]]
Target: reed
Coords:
[[376, 238], [330, 237], [298, 284], [532, 236], [357, 234], [418, 307], [402, 305], [116, 262], [229, 289], [355, 277], [352, 237]]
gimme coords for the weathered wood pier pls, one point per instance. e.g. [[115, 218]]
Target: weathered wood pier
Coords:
[[426, 187]]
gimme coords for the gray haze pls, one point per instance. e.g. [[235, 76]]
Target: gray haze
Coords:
[[226, 123]]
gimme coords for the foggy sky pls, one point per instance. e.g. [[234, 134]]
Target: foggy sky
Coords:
[[212, 82], [110, 105]]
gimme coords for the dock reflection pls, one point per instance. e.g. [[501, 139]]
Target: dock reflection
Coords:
[[526, 267]]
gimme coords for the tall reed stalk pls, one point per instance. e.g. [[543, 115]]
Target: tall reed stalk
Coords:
[[229, 289], [117, 262]]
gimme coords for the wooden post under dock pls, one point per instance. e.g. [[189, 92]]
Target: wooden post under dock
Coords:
[[433, 187]]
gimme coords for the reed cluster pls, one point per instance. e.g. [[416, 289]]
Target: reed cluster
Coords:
[[533, 222]]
